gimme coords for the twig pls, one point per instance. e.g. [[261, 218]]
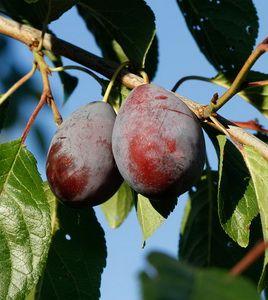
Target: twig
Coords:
[[46, 96], [237, 134], [258, 83], [239, 80], [252, 125], [33, 116], [17, 85], [192, 77], [249, 258]]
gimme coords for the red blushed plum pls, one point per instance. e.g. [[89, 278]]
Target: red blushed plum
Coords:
[[80, 166], [158, 144]]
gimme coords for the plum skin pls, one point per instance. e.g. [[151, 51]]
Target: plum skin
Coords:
[[80, 166], [158, 143]]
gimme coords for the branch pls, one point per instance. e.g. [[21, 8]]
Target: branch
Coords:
[[29, 36]]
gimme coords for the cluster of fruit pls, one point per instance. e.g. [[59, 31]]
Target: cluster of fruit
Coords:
[[155, 144]]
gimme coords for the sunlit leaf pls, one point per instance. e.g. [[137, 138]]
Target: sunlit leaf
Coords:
[[258, 168], [237, 201], [148, 217], [25, 229], [118, 207]]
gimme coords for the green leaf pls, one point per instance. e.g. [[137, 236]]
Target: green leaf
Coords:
[[224, 30], [237, 203], [76, 258], [35, 12], [257, 96], [258, 168], [173, 280], [203, 242], [118, 207], [148, 217], [25, 230], [69, 82], [118, 29]]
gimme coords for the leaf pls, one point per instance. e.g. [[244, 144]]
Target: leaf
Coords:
[[69, 82], [148, 217], [35, 12], [203, 242], [118, 29], [224, 30], [24, 222], [172, 280], [118, 207], [257, 96], [76, 258], [258, 168], [237, 203]]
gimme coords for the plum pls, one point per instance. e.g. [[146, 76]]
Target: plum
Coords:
[[158, 143], [80, 166]]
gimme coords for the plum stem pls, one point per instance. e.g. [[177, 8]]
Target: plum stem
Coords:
[[186, 78], [18, 84], [239, 80], [145, 77], [46, 96], [79, 68], [113, 79]]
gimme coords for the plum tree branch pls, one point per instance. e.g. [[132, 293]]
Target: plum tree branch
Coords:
[[29, 35]]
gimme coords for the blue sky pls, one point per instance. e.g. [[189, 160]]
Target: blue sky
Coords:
[[179, 56]]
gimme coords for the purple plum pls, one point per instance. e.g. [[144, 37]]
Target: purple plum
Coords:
[[80, 165], [158, 143]]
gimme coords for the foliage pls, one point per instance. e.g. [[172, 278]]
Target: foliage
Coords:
[[174, 280], [50, 251]]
